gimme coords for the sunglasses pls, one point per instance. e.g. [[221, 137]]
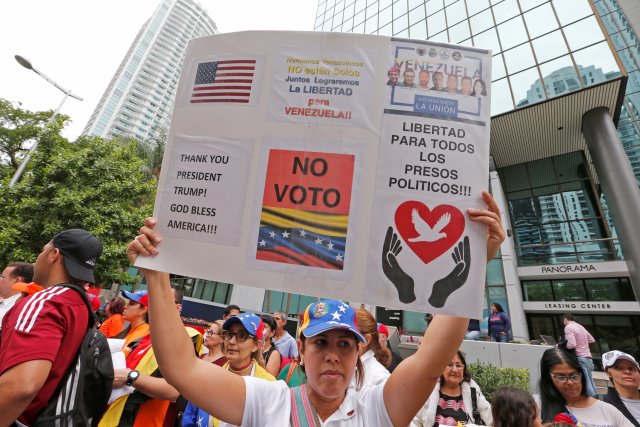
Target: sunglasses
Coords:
[[210, 332], [241, 336]]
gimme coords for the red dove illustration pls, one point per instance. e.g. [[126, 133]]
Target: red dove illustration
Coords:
[[426, 233]]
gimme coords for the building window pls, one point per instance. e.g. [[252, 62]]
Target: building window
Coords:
[[611, 332], [598, 289], [291, 304], [207, 290], [555, 214], [537, 290]]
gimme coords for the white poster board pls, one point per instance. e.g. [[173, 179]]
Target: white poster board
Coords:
[[328, 164]]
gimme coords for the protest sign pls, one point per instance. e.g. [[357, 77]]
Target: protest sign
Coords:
[[338, 165]]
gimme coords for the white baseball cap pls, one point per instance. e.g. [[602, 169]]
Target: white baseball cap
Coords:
[[609, 358]]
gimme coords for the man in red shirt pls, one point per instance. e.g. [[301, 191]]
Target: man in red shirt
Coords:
[[42, 333]]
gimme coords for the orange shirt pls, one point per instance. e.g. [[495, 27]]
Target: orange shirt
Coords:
[[112, 326], [135, 333]]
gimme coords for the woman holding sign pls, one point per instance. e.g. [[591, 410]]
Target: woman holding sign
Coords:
[[328, 347]]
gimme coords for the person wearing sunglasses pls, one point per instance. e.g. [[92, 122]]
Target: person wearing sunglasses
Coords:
[[624, 373], [328, 347], [455, 399], [562, 389], [242, 344], [242, 337]]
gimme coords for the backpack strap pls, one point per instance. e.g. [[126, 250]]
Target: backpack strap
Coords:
[[303, 414], [475, 413], [292, 367]]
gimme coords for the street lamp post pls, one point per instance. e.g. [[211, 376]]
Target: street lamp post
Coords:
[[67, 93]]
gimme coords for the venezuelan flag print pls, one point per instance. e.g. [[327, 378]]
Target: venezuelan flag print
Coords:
[[304, 238], [305, 209]]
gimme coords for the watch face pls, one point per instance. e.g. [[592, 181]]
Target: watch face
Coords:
[[133, 375]]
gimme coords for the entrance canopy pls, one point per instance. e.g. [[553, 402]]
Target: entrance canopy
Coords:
[[552, 127]]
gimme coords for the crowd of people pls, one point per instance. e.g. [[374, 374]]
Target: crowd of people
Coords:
[[247, 370]]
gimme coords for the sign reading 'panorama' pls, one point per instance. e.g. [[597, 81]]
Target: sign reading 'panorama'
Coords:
[[334, 165]]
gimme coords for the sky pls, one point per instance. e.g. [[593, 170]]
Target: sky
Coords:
[[79, 44]]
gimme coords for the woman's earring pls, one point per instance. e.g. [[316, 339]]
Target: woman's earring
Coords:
[[301, 362]]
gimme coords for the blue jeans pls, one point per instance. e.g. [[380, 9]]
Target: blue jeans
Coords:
[[586, 363], [472, 335], [497, 337]]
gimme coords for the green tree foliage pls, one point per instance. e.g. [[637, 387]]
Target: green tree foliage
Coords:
[[17, 128], [151, 151], [490, 377], [93, 183]]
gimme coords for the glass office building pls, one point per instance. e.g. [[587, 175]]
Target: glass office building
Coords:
[[565, 166], [138, 102], [556, 64]]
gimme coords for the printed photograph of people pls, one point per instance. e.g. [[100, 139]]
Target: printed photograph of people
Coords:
[[438, 81], [452, 84], [394, 75], [479, 88], [409, 77], [465, 84], [423, 80]]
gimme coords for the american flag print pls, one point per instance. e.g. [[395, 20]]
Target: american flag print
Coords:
[[225, 81]]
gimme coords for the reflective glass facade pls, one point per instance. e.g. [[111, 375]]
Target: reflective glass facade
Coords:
[[555, 213], [541, 49], [596, 289], [627, 45]]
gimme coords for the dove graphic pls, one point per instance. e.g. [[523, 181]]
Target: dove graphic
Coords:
[[426, 233]]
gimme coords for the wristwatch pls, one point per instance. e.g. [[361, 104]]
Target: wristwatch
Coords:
[[131, 377]]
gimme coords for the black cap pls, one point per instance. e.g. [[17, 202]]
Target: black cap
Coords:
[[80, 250]]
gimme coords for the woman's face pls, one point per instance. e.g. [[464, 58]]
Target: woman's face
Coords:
[[212, 338], [268, 332], [625, 374], [133, 311], [330, 361], [477, 86], [569, 389], [236, 350], [454, 372], [494, 309]]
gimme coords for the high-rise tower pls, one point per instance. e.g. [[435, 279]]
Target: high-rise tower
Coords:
[[138, 102], [564, 73]]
